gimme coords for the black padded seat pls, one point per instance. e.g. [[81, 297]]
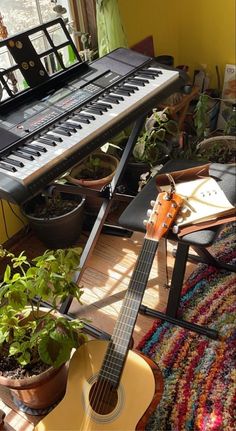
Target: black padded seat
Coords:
[[132, 219], [133, 216]]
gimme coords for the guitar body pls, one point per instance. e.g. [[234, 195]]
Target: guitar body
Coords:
[[139, 392]]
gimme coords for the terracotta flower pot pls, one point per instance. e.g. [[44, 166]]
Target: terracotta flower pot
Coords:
[[37, 394], [107, 161]]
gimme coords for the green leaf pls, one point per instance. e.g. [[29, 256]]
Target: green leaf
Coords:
[[24, 358], [17, 299], [15, 348], [7, 274]]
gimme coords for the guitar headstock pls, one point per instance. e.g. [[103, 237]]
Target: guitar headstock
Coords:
[[162, 215]]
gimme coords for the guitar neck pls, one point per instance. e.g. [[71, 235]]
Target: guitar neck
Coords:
[[119, 344]]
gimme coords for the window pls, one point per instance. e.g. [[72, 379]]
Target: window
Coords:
[[21, 15]]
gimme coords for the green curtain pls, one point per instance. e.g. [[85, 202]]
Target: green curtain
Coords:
[[111, 34]]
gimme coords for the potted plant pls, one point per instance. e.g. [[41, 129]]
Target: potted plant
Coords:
[[36, 343], [152, 147], [96, 171], [56, 219]]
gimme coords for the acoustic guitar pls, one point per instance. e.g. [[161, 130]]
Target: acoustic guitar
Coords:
[[109, 386]]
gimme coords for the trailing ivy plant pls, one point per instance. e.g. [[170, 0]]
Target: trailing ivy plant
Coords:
[[26, 333]]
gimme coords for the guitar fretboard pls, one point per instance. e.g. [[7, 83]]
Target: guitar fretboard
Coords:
[[114, 360]]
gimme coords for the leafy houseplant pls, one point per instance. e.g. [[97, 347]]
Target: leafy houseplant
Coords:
[[220, 147], [32, 340], [152, 145]]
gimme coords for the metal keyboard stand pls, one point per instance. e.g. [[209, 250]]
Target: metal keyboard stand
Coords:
[[108, 195]]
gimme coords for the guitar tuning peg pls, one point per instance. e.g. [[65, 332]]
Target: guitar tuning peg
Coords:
[[184, 210], [145, 222], [179, 219], [152, 203], [175, 229], [149, 213]]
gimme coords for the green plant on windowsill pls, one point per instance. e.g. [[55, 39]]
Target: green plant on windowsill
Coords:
[[154, 143]]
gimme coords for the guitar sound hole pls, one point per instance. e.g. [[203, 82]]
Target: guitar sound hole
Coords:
[[103, 397]]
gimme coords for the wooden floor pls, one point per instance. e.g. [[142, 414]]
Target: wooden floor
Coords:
[[104, 281]]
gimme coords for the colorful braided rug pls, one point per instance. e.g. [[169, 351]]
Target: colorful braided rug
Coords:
[[199, 373]]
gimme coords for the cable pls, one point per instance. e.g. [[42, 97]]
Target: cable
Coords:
[[17, 215]]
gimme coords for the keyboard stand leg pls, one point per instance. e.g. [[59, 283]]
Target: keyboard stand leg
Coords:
[[105, 207]]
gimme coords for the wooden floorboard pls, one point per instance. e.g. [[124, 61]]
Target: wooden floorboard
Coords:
[[104, 282]]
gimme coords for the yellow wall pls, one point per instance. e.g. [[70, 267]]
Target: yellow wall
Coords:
[[142, 18], [194, 32], [208, 35], [12, 222]]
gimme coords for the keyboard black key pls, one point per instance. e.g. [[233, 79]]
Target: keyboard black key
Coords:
[[50, 137], [135, 88], [48, 142], [93, 111], [146, 74], [111, 99], [69, 127], [128, 88], [120, 98], [62, 131], [28, 150], [156, 72], [137, 82], [74, 123], [122, 92], [99, 106], [23, 155], [145, 81], [38, 147], [87, 116], [13, 162], [80, 119], [7, 167], [105, 103]]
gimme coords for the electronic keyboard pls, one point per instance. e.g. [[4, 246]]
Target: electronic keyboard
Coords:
[[56, 124]]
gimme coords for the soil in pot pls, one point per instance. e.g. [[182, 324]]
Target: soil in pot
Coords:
[[58, 223], [34, 389]]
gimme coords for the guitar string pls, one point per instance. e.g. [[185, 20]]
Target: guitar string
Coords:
[[121, 331], [150, 244], [102, 392], [103, 386], [129, 318]]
